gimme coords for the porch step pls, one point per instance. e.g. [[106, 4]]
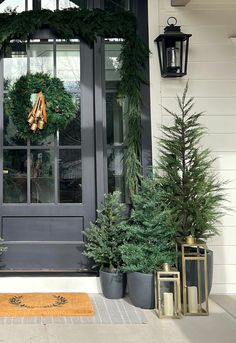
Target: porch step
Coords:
[[25, 284]]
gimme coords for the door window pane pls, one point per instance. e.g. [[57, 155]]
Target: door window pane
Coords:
[[10, 5], [14, 176], [73, 3], [114, 119], [115, 170], [14, 66], [112, 53], [68, 70], [42, 176], [41, 58], [70, 176], [10, 136], [117, 5], [48, 4], [14, 63]]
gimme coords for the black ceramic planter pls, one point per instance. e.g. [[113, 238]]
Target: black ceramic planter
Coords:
[[141, 289], [113, 284]]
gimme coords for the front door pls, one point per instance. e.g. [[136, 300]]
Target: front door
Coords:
[[47, 196]]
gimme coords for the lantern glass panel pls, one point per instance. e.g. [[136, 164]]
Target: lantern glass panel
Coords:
[[168, 292], [195, 283], [168, 295], [173, 59], [194, 277]]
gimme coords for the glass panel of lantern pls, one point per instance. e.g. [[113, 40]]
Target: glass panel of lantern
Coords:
[[194, 277], [167, 293]]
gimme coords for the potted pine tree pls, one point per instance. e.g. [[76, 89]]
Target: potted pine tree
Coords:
[[190, 188], [104, 238], [150, 242]]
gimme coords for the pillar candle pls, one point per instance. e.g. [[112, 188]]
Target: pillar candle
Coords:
[[192, 299], [168, 304]]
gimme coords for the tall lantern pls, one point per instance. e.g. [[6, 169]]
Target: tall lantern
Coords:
[[173, 50], [194, 276]]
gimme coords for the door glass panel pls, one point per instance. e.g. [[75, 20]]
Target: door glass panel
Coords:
[[114, 119], [14, 66], [115, 170], [70, 170], [112, 53], [117, 5], [10, 5], [48, 4], [68, 70], [73, 3], [41, 58], [11, 136], [42, 176], [49, 183], [15, 176], [15, 63]]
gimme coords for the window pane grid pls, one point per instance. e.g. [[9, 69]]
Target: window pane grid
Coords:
[[42, 185]]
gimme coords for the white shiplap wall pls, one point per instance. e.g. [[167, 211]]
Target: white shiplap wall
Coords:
[[212, 81]]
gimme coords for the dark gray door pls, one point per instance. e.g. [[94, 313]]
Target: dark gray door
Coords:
[[47, 192]]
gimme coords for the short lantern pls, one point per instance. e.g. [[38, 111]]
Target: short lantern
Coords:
[[167, 292], [194, 276], [173, 50]]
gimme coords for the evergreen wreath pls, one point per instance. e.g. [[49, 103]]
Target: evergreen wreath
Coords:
[[60, 107], [87, 25]]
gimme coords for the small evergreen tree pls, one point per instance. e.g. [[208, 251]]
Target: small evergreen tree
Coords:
[[150, 234], [191, 188], [105, 236]]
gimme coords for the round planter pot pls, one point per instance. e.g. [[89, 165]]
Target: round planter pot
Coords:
[[113, 284], [141, 289]]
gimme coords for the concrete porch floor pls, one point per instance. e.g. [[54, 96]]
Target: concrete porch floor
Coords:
[[219, 327]]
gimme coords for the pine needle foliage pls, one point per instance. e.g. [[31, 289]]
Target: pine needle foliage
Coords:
[[192, 190], [107, 234], [150, 236]]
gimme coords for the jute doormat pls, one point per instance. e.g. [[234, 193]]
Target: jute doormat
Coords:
[[45, 304]]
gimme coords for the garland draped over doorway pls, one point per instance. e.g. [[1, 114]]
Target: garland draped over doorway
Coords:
[[87, 25]]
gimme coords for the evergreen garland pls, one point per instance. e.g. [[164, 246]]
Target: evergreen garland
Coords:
[[60, 107], [87, 25], [190, 187], [105, 236]]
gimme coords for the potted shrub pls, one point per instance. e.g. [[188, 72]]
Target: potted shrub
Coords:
[[190, 188], [104, 237], [150, 242]]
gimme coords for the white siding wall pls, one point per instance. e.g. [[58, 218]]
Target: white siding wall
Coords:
[[212, 81]]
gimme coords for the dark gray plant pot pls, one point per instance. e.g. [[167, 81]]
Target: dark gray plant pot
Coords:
[[141, 289], [113, 284], [191, 273]]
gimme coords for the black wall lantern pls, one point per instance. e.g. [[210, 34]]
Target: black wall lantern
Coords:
[[173, 50]]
